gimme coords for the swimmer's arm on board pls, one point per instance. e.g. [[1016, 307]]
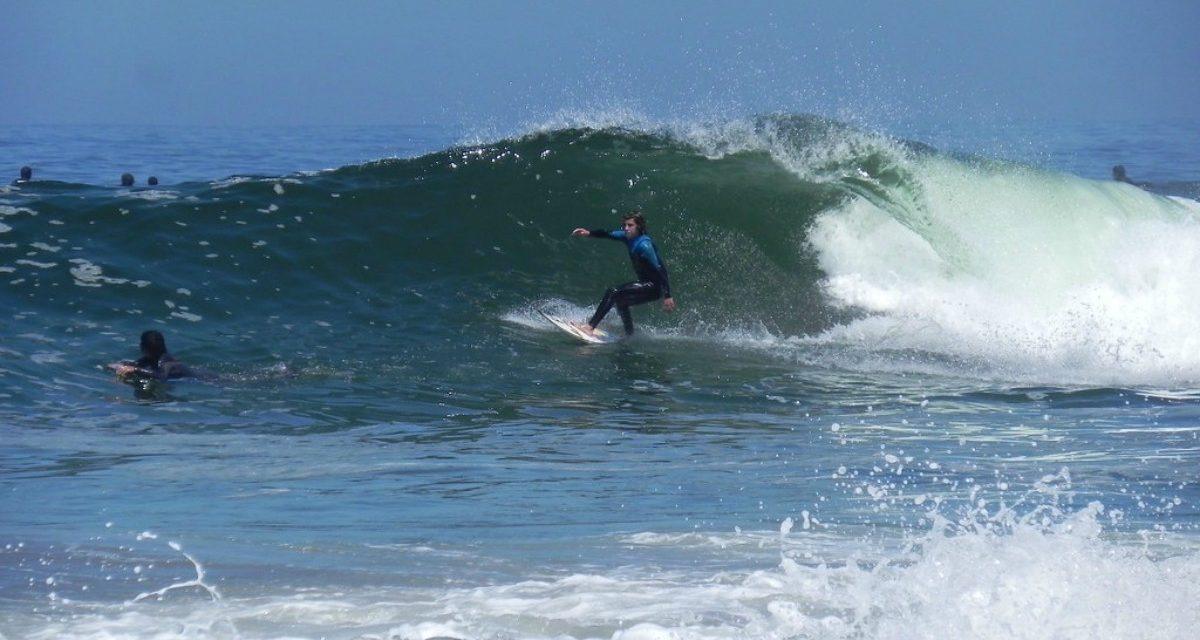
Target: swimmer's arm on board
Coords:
[[170, 370], [127, 368]]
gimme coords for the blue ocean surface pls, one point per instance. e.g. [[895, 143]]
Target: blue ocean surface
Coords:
[[922, 382]]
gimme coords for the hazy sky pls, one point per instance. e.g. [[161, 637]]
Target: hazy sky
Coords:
[[503, 63]]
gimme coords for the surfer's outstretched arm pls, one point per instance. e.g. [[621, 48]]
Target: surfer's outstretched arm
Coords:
[[599, 233]]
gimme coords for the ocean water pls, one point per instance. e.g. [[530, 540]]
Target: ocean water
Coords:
[[922, 382]]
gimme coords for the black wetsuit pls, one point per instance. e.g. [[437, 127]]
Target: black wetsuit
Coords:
[[652, 282]]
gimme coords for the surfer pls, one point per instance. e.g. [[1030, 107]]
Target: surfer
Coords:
[[126, 179], [26, 175], [155, 362], [651, 283]]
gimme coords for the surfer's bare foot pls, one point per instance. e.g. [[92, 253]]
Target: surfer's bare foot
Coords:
[[584, 327]]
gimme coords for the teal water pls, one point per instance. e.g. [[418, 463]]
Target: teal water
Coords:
[[915, 387]]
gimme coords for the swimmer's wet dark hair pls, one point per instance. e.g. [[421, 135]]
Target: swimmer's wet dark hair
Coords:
[[153, 344]]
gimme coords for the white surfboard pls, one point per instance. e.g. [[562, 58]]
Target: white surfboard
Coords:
[[601, 336]]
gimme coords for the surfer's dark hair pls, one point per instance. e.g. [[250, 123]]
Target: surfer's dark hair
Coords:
[[638, 219]]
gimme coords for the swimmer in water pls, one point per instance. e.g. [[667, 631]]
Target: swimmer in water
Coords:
[[156, 362], [1119, 174]]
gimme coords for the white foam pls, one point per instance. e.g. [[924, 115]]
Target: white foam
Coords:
[[88, 274], [1043, 276], [987, 573], [153, 195], [34, 263], [9, 210]]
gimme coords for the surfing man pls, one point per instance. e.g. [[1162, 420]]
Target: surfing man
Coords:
[[651, 284], [155, 362]]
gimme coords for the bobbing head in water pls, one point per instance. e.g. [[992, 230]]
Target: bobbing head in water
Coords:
[[153, 345], [155, 361]]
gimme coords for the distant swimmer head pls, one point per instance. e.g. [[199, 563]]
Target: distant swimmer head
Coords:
[[126, 179], [1119, 173], [26, 174], [633, 221], [153, 344], [152, 181]]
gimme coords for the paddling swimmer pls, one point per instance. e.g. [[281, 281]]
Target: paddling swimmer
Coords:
[[1118, 173], [155, 362], [651, 284], [26, 175]]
